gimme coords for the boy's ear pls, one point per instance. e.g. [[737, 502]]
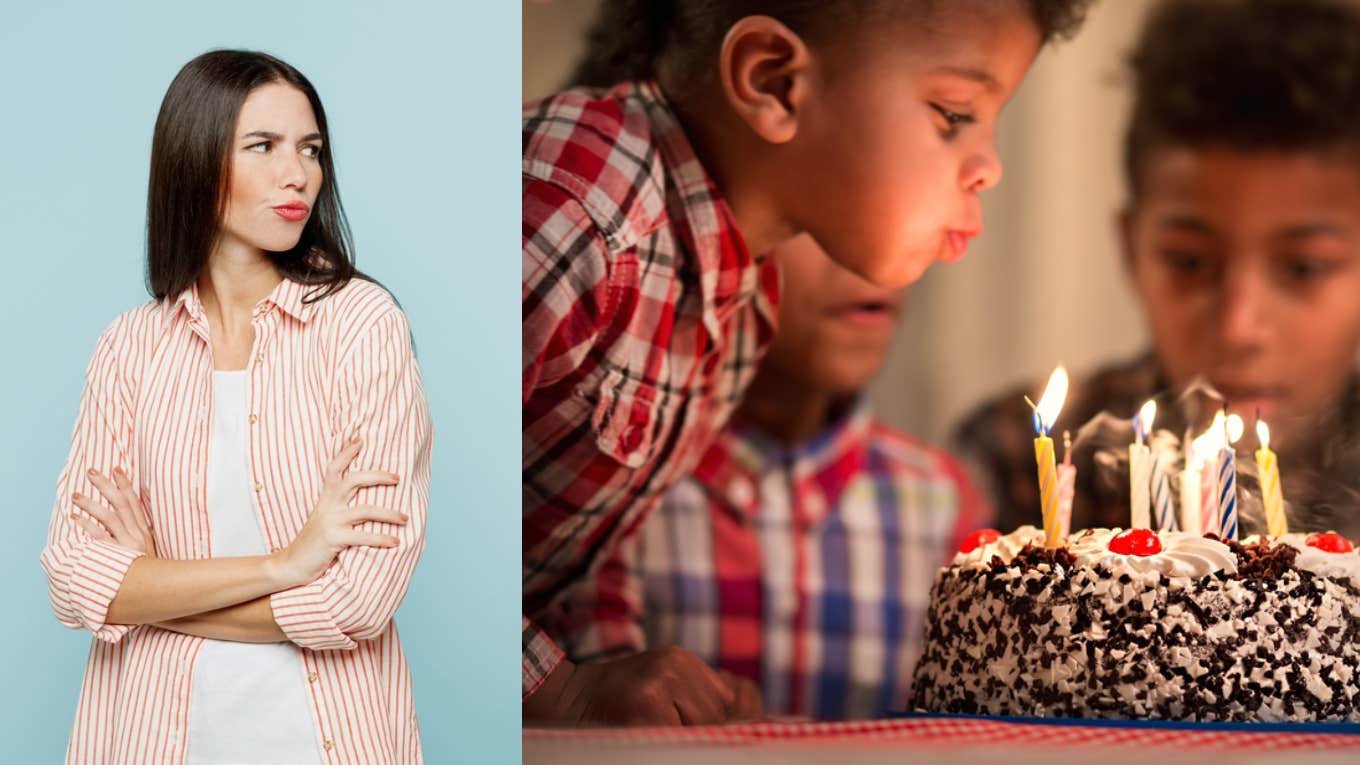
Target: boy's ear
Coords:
[[763, 66]]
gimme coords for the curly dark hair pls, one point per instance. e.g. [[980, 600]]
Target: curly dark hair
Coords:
[[634, 39], [1249, 75]]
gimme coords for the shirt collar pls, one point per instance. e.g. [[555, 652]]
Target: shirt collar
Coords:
[[743, 455], [728, 274], [288, 296]]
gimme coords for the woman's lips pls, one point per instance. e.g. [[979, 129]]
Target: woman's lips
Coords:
[[292, 211]]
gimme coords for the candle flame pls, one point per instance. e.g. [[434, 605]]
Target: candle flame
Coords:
[[1146, 415], [1235, 428], [1263, 434], [1207, 444], [1050, 404]]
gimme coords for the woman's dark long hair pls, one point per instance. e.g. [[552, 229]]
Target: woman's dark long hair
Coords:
[[191, 171]]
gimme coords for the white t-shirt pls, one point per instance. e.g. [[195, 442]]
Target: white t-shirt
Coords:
[[249, 702]]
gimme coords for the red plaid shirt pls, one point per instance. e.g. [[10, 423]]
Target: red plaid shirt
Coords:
[[644, 317], [806, 569]]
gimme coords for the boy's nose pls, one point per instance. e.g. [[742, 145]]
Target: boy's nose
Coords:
[[1242, 312], [982, 170]]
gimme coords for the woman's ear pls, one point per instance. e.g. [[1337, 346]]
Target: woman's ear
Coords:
[[764, 70]]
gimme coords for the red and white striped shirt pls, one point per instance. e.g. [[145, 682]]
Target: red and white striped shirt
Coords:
[[319, 373]]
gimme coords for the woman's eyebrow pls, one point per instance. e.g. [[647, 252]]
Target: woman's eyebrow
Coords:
[[271, 136]]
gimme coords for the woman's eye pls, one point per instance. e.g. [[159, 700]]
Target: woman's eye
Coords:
[[260, 148], [311, 151]]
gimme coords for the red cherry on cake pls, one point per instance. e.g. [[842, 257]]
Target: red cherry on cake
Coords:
[[1329, 542], [1141, 542], [979, 538]]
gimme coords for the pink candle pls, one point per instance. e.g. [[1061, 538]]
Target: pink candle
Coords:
[[1067, 486]]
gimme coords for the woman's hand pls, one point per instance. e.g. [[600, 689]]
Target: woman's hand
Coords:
[[125, 523], [330, 528]]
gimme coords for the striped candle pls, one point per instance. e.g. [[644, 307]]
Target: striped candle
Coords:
[[1190, 520], [1163, 510], [1225, 488], [1067, 487], [1272, 497], [1208, 498], [1045, 414], [1048, 490]]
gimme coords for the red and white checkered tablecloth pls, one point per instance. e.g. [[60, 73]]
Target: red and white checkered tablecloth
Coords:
[[949, 732]]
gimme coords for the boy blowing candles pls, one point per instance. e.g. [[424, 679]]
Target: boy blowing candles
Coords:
[[647, 297]]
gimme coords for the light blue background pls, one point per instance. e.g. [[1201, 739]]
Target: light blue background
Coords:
[[422, 101]]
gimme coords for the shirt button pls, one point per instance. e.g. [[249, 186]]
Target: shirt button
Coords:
[[253, 419], [273, 550], [329, 745], [259, 358], [311, 677], [258, 486]]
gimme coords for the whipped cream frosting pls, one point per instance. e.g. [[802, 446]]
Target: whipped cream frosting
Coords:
[[1330, 564], [1183, 554], [1005, 547]]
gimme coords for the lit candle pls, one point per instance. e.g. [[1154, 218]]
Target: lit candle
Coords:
[[1206, 448], [1140, 466], [1190, 519], [1226, 485], [1163, 512], [1268, 467], [1067, 487], [1045, 413]]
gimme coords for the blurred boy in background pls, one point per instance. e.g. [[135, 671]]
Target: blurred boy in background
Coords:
[[1242, 241], [801, 552]]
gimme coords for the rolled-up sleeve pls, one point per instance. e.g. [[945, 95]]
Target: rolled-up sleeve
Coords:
[[83, 574], [382, 401]]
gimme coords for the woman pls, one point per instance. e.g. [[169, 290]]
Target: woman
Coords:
[[245, 496]]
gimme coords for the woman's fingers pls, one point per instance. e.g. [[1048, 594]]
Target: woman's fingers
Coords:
[[104, 515], [93, 529], [336, 469], [368, 539], [132, 503], [106, 487], [358, 479], [364, 513]]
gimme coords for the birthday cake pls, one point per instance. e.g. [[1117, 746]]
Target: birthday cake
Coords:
[[1145, 624]]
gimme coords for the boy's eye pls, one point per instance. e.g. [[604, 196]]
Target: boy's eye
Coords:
[[1185, 262], [954, 120], [260, 148], [1306, 269]]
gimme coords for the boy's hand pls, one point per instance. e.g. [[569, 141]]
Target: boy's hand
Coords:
[[663, 686]]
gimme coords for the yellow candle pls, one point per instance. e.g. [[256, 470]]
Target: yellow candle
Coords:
[[1268, 468], [1045, 414]]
